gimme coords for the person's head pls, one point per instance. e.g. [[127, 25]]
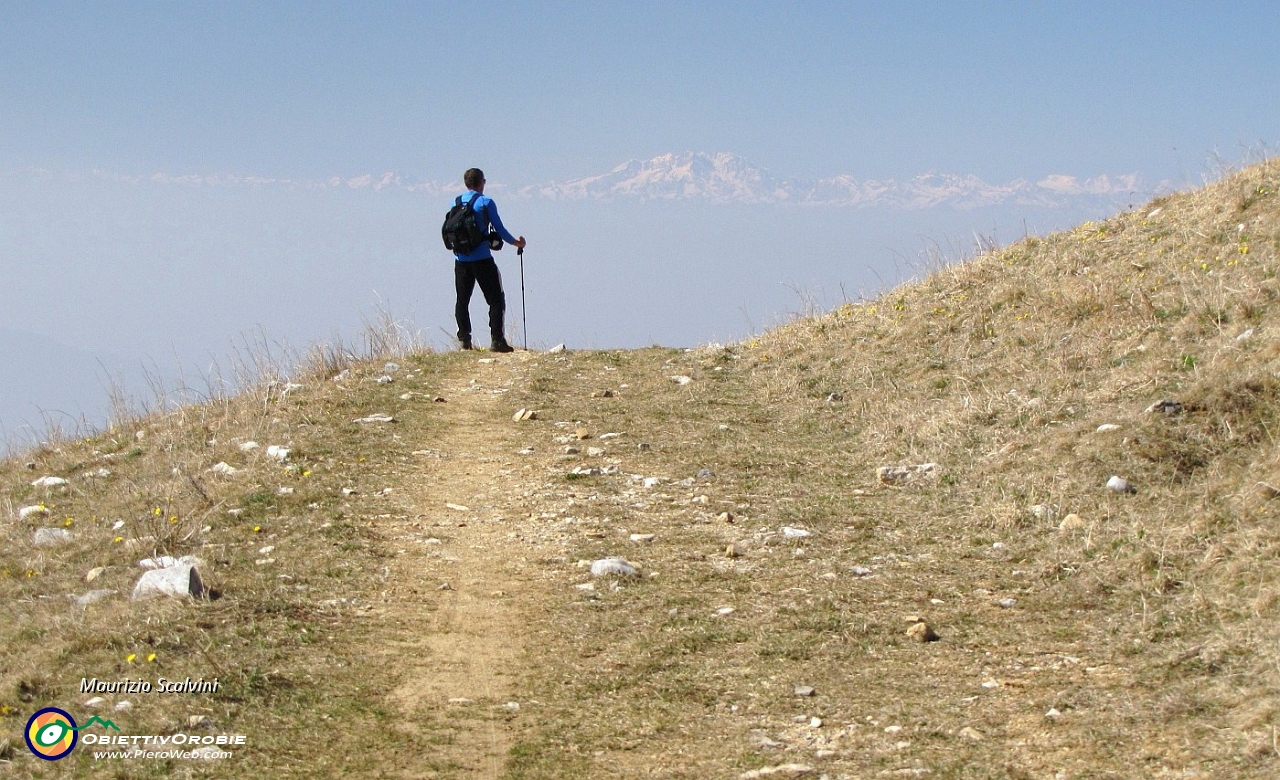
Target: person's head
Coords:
[[473, 178]]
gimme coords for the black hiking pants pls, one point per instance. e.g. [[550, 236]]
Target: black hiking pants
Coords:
[[465, 276]]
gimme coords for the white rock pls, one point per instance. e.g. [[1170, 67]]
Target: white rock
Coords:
[[248, 446], [1108, 427], [224, 468], [181, 580], [595, 452], [861, 571], [122, 706], [284, 491], [1248, 334], [39, 510], [901, 475], [682, 379], [616, 566], [276, 452], [159, 562], [95, 702], [725, 611], [1120, 485], [794, 533], [50, 482], [652, 481], [642, 537], [557, 349], [376, 418], [51, 537], [1045, 512]]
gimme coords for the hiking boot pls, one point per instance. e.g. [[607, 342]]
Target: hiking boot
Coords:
[[466, 344], [502, 346]]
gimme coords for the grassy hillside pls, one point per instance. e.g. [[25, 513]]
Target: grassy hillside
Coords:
[[1076, 631]]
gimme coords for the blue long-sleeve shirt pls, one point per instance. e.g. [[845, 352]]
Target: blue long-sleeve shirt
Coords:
[[486, 215]]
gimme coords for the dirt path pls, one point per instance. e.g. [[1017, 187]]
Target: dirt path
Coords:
[[454, 608]]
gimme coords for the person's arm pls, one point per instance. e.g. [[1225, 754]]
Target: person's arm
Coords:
[[496, 221]]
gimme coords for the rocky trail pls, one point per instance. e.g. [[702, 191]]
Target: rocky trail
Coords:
[[459, 588]]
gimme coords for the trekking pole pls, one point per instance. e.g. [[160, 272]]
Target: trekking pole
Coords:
[[524, 317]]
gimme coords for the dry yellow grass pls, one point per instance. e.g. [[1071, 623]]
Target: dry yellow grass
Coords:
[[1081, 632]]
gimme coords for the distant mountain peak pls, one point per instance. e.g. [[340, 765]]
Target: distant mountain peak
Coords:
[[724, 177]]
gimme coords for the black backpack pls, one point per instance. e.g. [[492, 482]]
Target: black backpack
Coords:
[[461, 230]]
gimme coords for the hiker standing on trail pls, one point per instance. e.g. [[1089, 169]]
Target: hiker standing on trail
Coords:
[[475, 264]]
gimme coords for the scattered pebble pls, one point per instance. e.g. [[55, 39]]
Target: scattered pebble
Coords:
[[1046, 512], [50, 482], [804, 691], [642, 537], [1108, 427], [903, 475], [616, 566], [1071, 522], [794, 533], [682, 380], [922, 632], [1120, 485], [51, 537], [376, 418], [782, 770], [1165, 406]]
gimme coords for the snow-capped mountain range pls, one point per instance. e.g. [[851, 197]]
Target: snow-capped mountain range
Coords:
[[727, 178]]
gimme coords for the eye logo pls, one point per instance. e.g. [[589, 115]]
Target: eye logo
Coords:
[[51, 733]]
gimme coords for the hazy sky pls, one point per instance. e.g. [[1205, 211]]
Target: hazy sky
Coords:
[[107, 107]]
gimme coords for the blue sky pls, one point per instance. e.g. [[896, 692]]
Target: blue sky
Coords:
[[135, 228], [558, 90]]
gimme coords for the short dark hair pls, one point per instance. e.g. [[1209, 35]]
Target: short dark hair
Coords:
[[473, 177]]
